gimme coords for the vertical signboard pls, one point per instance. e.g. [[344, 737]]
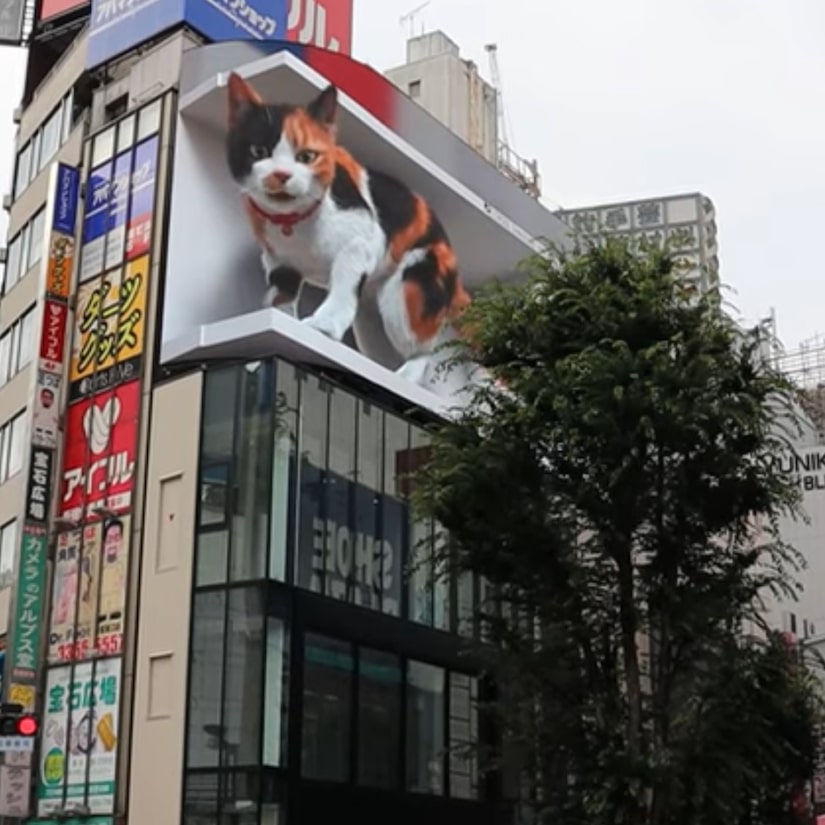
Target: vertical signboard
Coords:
[[78, 751], [78, 754], [23, 663]]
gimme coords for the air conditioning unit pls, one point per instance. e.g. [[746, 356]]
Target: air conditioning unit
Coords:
[[8, 200], [17, 115]]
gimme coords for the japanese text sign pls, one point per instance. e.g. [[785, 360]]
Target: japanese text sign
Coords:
[[39, 487], [99, 454], [110, 320], [28, 607], [82, 711]]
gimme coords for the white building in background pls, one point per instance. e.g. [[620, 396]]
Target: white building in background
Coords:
[[688, 221], [451, 89], [805, 618]]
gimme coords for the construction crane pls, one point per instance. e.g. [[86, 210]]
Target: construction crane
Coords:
[[524, 173], [408, 19]]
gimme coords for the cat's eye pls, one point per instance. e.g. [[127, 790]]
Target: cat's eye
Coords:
[[258, 152], [306, 156]]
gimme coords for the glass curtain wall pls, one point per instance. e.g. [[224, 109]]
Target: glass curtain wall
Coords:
[[308, 485]]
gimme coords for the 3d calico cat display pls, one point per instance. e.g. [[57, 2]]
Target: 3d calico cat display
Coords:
[[321, 217]]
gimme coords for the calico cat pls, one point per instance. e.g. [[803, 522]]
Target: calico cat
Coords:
[[321, 217]]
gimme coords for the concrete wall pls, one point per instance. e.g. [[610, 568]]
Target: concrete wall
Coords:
[[168, 535]]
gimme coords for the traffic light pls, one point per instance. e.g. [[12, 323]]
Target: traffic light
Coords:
[[14, 722]]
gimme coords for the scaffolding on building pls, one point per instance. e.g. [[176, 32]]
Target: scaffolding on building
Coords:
[[805, 367]]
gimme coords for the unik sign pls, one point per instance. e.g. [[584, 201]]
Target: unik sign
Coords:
[[807, 469]]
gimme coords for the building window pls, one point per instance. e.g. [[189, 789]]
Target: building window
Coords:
[[243, 678], [276, 691], [463, 727], [12, 442], [328, 670], [17, 346], [379, 718], [252, 476], [284, 470], [12, 273], [217, 450], [8, 549], [149, 119], [414, 89], [23, 172], [425, 728], [25, 250], [36, 238], [50, 141], [312, 504], [44, 143], [205, 740]]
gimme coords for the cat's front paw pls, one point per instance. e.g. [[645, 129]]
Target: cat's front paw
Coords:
[[333, 326]]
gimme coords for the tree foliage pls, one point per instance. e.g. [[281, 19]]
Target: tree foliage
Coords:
[[620, 499]]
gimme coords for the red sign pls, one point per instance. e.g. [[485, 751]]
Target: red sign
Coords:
[[53, 336], [100, 453], [323, 23], [51, 8]]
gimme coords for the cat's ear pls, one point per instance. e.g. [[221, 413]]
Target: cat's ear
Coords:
[[241, 95], [324, 109]]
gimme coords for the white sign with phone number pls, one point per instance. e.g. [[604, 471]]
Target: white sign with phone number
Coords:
[[78, 755]]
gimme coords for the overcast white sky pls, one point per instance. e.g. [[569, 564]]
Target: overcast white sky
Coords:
[[623, 99]]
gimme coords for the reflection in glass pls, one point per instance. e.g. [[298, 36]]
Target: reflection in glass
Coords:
[[206, 665], [312, 498], [379, 718], [328, 669], [421, 570], [242, 677], [275, 699], [253, 471], [441, 579], [425, 728], [394, 512], [218, 426], [463, 736], [284, 469], [200, 799], [370, 547], [339, 541], [213, 549], [465, 607]]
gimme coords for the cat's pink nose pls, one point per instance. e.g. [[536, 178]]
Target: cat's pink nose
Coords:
[[280, 177]]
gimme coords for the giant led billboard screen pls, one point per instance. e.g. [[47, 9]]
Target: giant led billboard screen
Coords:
[[317, 212], [117, 27]]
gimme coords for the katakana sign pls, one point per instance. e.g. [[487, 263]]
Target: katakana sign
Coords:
[[110, 322], [100, 452], [29, 601]]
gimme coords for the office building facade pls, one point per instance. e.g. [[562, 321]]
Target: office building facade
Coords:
[[217, 595]]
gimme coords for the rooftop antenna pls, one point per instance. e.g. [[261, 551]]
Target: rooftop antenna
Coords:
[[408, 20]]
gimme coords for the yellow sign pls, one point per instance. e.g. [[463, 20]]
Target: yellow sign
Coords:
[[110, 320], [22, 695], [60, 263]]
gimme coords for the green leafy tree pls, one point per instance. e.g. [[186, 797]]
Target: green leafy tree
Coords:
[[619, 497]]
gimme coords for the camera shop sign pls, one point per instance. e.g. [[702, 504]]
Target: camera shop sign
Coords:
[[807, 468]]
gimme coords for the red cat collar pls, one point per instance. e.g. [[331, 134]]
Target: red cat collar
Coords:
[[286, 220]]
